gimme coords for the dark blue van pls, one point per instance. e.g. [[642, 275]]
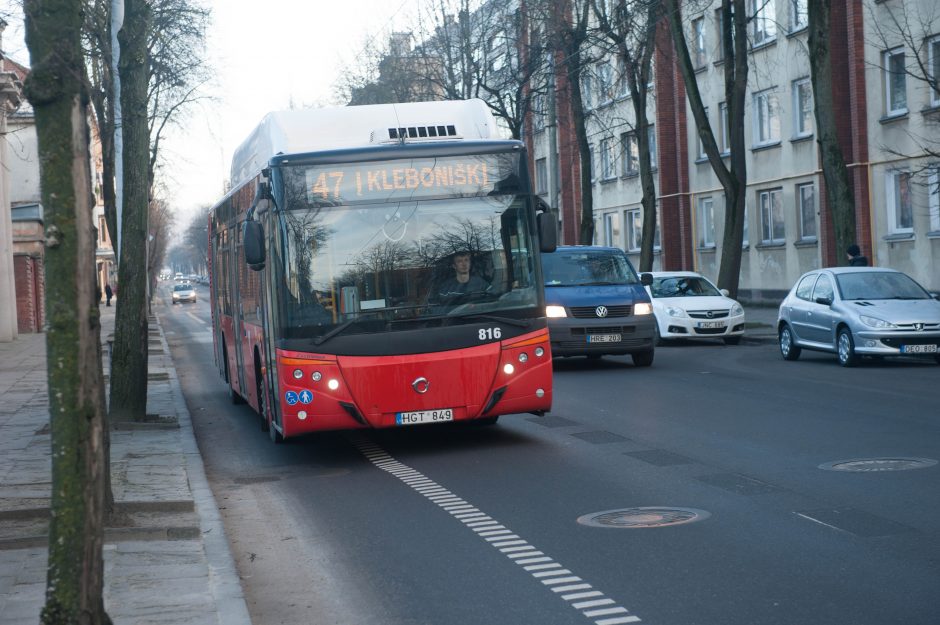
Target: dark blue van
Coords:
[[596, 304]]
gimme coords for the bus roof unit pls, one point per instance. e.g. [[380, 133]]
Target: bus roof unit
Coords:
[[332, 128]]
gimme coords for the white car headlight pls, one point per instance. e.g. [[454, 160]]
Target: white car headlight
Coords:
[[555, 311], [736, 310], [875, 322], [675, 311], [643, 309]]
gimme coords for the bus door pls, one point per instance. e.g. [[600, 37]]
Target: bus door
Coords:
[[238, 316]]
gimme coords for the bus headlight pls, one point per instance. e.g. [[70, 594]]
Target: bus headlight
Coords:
[[539, 352], [298, 374], [302, 415], [508, 369], [317, 376], [333, 385], [523, 357]]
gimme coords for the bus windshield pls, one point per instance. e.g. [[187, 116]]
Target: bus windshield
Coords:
[[353, 266]]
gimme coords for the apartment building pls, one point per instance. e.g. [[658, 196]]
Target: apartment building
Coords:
[[886, 59]]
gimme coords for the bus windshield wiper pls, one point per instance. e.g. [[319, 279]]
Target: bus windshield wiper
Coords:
[[519, 323], [320, 340]]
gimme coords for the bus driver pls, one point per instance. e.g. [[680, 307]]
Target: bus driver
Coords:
[[461, 283]]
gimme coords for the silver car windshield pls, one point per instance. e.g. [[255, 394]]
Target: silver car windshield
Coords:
[[683, 286], [879, 285]]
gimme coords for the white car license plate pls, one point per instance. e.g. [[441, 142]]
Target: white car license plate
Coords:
[[424, 416], [711, 324], [918, 349], [603, 338]]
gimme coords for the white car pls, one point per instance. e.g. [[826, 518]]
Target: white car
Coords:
[[688, 306]]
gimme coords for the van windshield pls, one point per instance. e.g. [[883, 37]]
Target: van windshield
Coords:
[[587, 268]]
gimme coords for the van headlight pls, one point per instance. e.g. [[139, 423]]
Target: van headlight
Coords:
[[555, 311], [643, 308]]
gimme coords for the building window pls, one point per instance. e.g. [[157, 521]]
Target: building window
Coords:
[[799, 15], [631, 154], [900, 209], [766, 118], [612, 229], [608, 158], [635, 230], [651, 136], [725, 134], [746, 237], [720, 23], [806, 210], [706, 222], [933, 69], [623, 88], [587, 91], [698, 43], [541, 176], [605, 83], [763, 21], [700, 150], [771, 217], [933, 198], [895, 80], [802, 108], [538, 113]]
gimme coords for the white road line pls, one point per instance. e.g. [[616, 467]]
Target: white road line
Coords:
[[561, 581]]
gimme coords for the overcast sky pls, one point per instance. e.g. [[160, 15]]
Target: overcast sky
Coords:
[[265, 56]]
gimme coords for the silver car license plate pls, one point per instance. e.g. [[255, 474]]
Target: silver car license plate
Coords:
[[918, 349]]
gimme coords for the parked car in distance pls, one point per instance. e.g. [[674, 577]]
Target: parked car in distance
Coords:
[[859, 311], [688, 306], [184, 293], [596, 304]]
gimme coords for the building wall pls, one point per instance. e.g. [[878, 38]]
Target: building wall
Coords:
[[30, 307]]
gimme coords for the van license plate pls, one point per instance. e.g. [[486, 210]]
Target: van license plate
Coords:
[[603, 338], [918, 349], [424, 416]]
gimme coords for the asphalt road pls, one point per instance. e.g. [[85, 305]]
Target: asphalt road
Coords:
[[407, 526]]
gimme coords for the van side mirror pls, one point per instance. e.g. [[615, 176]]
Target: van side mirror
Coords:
[[646, 279], [548, 231], [253, 241]]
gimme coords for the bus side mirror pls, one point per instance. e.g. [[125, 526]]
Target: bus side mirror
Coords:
[[548, 231], [646, 279], [253, 240]]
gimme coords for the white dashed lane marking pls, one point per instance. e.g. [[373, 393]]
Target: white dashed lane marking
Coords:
[[578, 593]]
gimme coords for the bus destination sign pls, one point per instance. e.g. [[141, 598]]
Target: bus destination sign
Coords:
[[384, 181]]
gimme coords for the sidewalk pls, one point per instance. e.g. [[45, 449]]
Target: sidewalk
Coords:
[[169, 561], [760, 323]]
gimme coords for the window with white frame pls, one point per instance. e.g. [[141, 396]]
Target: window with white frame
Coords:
[[900, 207], [895, 82], [612, 229], [706, 222], [725, 132], [587, 91], [538, 113], [591, 167], [623, 88], [763, 21], [802, 108], [799, 14], [699, 58], [541, 176], [605, 83], [806, 210], [772, 222], [766, 118], [651, 135], [634, 219], [631, 154], [933, 198], [608, 159], [746, 238], [698, 140], [933, 68]]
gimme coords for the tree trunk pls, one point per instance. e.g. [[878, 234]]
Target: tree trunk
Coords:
[[75, 576], [129, 360], [839, 195]]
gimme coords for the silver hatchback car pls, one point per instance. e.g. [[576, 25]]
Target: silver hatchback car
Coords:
[[855, 311]]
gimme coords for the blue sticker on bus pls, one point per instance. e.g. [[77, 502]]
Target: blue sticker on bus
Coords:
[[290, 397], [305, 396]]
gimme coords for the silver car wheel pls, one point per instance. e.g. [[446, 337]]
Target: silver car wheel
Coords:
[[846, 349], [788, 349]]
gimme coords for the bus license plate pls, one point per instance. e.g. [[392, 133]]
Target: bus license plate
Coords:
[[918, 349], [711, 324], [603, 338], [424, 416]]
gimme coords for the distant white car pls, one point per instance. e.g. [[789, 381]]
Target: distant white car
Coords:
[[688, 306]]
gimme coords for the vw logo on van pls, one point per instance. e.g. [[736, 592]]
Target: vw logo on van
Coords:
[[601, 311]]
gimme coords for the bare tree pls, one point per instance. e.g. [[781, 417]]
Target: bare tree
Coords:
[[129, 357], [630, 28], [56, 89], [733, 179], [389, 71], [160, 223]]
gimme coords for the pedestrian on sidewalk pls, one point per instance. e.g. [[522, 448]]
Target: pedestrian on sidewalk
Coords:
[[855, 257], [108, 293]]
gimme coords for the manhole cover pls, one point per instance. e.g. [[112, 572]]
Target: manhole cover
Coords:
[[630, 518], [870, 465]]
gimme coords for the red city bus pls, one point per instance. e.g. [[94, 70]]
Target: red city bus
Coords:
[[378, 266]]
